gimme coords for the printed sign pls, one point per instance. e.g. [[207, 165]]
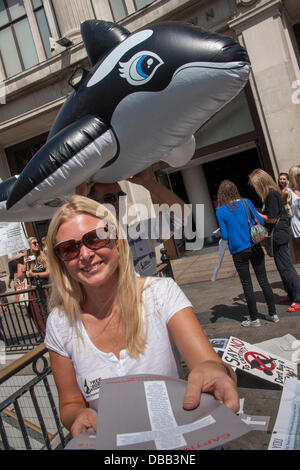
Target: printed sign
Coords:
[[256, 361], [12, 238], [286, 432]]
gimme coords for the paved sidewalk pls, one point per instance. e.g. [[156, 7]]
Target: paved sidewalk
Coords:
[[220, 307]]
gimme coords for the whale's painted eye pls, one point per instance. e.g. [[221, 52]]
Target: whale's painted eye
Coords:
[[140, 68]]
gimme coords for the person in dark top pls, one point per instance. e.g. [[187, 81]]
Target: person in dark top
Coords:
[[13, 267], [36, 263], [36, 272], [276, 219], [3, 299]]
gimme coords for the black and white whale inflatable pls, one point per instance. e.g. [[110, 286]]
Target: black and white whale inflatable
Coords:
[[145, 96]]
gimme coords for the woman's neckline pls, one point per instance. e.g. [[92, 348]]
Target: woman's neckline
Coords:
[[110, 354]]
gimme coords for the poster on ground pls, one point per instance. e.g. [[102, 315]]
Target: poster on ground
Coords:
[[12, 238], [286, 432], [250, 358]]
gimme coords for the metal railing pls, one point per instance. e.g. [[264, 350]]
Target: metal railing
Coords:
[[165, 268], [29, 418], [23, 316]]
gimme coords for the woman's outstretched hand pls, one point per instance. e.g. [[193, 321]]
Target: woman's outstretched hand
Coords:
[[215, 378]]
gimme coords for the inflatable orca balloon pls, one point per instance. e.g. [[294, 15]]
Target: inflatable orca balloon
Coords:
[[38, 212], [145, 96]]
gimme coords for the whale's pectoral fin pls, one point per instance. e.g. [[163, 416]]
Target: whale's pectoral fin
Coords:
[[68, 159], [180, 156], [6, 187], [22, 215]]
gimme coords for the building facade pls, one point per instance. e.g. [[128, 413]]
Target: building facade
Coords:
[[41, 45]]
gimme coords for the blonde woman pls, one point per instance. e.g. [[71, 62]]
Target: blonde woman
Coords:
[[276, 219], [35, 269], [36, 263], [106, 321], [294, 190]]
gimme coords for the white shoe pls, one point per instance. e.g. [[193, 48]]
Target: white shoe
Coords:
[[253, 323], [273, 318]]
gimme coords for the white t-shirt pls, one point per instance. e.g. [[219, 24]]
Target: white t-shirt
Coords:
[[162, 298], [295, 221]]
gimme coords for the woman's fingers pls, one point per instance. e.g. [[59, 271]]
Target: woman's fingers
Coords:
[[212, 380], [225, 391], [193, 390], [86, 419]]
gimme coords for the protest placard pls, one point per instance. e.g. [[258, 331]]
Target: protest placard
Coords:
[[250, 358]]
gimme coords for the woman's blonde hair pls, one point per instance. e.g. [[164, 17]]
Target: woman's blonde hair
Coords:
[[262, 182], [69, 295], [293, 173], [41, 258]]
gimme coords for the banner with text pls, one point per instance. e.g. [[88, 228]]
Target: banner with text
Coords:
[[12, 238]]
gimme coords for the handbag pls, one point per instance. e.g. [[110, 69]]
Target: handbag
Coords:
[[257, 231], [267, 243]]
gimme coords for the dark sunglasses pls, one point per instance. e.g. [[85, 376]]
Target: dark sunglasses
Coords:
[[94, 240], [110, 198]]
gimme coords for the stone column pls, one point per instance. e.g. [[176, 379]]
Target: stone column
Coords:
[[266, 34], [4, 168], [69, 15], [197, 191]]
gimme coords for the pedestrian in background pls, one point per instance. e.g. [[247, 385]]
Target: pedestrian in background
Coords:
[[294, 191], [232, 214], [13, 268], [283, 181], [277, 222]]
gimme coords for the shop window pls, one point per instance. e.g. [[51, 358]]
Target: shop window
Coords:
[[139, 4], [297, 34], [18, 50], [233, 120], [42, 22], [119, 9], [20, 154]]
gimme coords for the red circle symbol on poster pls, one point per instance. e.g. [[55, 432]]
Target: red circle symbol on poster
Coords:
[[261, 362]]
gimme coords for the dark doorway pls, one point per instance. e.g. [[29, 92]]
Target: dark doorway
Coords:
[[235, 168], [19, 155]]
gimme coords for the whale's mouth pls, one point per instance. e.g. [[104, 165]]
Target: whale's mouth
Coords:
[[213, 65]]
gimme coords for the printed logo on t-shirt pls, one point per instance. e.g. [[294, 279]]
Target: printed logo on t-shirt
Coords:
[[90, 384]]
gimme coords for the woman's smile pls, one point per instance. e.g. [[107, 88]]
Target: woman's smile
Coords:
[[92, 268]]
